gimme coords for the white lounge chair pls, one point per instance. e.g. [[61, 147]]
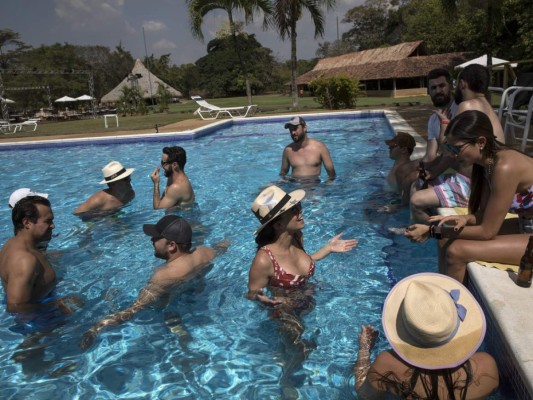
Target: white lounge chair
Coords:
[[5, 127], [516, 117], [33, 122], [208, 111]]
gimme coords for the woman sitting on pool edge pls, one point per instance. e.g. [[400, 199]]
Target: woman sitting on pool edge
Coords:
[[281, 262], [502, 181], [434, 326]]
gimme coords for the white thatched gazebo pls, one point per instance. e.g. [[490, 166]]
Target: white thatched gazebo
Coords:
[[143, 78]]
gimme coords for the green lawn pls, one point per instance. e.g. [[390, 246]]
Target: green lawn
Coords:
[[267, 104]]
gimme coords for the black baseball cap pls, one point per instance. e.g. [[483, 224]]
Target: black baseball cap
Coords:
[[171, 227]]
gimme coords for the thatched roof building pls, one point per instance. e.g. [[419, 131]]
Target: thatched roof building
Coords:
[[394, 71], [139, 76]]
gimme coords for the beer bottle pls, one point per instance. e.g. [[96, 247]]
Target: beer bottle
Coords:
[[422, 182], [526, 266]]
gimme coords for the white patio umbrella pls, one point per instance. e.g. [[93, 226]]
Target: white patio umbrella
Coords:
[[85, 97], [6, 100], [483, 61], [65, 99]]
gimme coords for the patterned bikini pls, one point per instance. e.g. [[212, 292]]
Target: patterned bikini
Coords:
[[285, 280]]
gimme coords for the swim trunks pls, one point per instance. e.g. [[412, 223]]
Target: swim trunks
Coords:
[[453, 190], [283, 279]]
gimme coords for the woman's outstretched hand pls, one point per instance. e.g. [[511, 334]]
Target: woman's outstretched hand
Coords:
[[337, 245]]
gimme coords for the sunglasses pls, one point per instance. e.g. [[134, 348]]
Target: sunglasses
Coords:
[[454, 149], [163, 163], [296, 210]]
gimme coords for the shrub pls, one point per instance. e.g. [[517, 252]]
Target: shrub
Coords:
[[336, 92]]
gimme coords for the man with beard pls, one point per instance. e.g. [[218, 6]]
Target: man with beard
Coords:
[[171, 238], [178, 191], [305, 155], [27, 276]]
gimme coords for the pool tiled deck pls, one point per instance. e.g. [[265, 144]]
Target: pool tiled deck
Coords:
[[510, 327]]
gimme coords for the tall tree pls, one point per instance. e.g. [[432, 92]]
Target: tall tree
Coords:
[[10, 46], [286, 14], [199, 8]]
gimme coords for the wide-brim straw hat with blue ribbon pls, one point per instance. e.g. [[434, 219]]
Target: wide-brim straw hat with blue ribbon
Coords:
[[432, 321], [273, 202]]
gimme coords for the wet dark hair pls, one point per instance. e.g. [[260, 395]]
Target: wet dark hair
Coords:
[[469, 126], [27, 208], [430, 382], [176, 154], [477, 77], [438, 72]]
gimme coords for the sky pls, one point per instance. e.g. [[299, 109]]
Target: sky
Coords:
[[165, 22]]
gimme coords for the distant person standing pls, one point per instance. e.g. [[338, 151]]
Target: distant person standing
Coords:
[[118, 194], [178, 191], [304, 155]]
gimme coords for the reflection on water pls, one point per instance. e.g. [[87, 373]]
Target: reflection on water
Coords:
[[209, 341]]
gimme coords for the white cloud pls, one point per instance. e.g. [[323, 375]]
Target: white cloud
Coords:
[[88, 13], [164, 44], [154, 26]]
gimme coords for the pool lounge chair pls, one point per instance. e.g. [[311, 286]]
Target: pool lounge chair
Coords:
[[208, 111], [31, 122]]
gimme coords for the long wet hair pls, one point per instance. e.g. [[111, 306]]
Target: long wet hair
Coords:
[[431, 388], [469, 126]]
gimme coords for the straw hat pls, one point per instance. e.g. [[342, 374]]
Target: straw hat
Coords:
[[422, 321], [273, 202], [114, 171], [21, 193]]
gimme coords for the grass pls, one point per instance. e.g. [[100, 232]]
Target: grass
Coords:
[[267, 104]]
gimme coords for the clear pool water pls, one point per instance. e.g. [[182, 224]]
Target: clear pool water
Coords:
[[231, 349]]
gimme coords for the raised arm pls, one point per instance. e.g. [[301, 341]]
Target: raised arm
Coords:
[[334, 245]]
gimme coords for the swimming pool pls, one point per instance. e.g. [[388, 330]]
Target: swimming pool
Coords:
[[225, 346]]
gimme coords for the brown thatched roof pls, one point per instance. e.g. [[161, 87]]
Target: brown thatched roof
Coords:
[[405, 60], [144, 85]]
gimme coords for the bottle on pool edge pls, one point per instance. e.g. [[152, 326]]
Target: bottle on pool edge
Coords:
[[526, 266], [423, 183]]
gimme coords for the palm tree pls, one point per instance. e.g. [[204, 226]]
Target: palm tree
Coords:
[[286, 14], [199, 8]]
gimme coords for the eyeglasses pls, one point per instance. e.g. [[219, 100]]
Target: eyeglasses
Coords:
[[454, 149]]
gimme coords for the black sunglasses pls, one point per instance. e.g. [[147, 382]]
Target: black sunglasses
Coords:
[[455, 150]]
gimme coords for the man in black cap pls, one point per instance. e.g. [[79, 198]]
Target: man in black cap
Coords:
[[171, 238], [304, 155]]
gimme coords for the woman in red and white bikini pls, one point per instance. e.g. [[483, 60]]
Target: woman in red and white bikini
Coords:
[[281, 263]]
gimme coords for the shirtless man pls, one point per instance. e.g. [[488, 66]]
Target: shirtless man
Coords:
[[470, 94], [305, 156], [400, 149], [178, 191], [27, 276], [118, 193], [171, 238]]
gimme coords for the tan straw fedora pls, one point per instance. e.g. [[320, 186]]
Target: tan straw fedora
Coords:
[[432, 321], [114, 171], [273, 202]]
